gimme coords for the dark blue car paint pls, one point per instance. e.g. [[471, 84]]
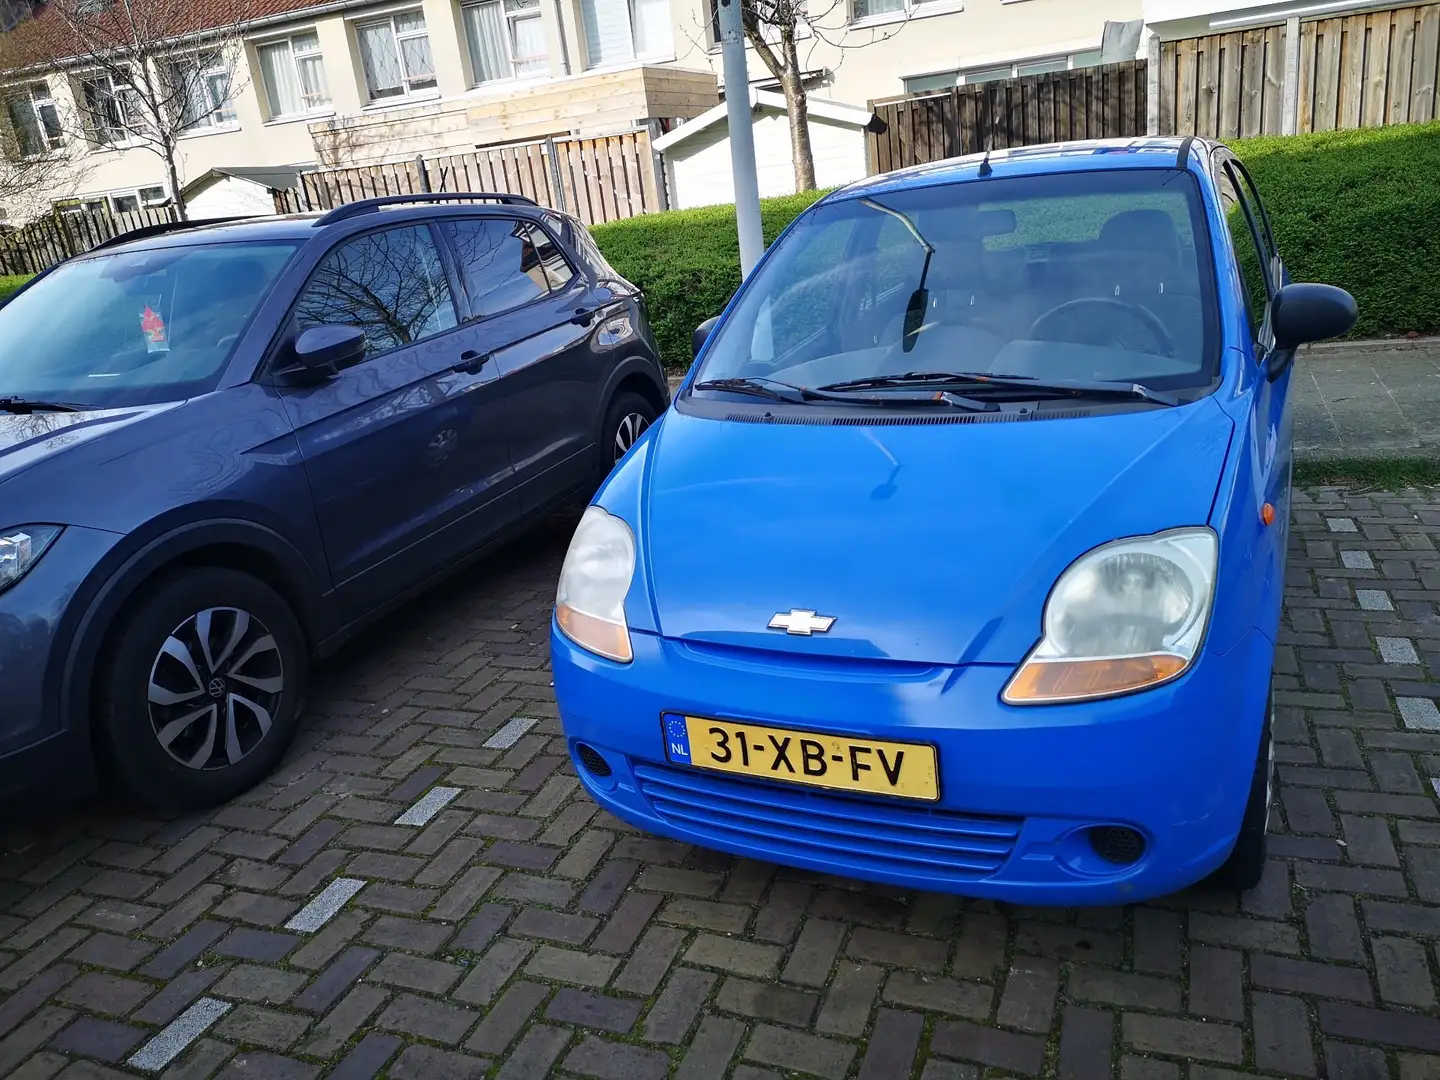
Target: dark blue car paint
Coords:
[[896, 523], [337, 492]]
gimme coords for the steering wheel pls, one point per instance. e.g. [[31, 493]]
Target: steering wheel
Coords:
[[1105, 306]]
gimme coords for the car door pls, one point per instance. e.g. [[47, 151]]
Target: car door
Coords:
[[406, 451], [535, 312]]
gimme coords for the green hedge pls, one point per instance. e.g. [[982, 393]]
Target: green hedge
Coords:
[[10, 283], [1356, 209]]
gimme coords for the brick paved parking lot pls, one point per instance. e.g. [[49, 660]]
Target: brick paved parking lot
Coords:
[[423, 892]]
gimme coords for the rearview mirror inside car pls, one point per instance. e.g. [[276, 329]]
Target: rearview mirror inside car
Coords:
[[1305, 312], [324, 350], [702, 334]]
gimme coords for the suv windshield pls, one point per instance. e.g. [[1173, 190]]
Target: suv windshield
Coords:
[[1093, 276], [134, 327]]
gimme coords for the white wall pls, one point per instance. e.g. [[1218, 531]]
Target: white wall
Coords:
[[229, 197], [699, 168]]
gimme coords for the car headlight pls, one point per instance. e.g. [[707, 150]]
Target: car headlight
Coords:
[[590, 602], [1126, 616], [21, 548]]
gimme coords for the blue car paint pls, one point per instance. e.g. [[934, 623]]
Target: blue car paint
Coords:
[[896, 521]]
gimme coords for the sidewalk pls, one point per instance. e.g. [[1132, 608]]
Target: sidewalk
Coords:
[[1368, 399]]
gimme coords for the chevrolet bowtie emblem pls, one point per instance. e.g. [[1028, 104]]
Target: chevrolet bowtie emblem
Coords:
[[803, 623]]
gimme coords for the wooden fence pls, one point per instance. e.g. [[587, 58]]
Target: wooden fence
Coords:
[[601, 179], [1087, 103], [1350, 71], [54, 238]]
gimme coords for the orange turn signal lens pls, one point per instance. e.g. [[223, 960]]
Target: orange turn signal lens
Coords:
[[1267, 514], [606, 639], [1042, 681]]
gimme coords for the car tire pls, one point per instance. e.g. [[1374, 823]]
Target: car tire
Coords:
[[1246, 864], [625, 421], [202, 691]]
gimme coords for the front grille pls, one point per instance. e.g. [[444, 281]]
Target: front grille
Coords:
[[855, 835]]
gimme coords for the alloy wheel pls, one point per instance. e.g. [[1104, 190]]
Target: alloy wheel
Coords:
[[632, 426], [215, 688]]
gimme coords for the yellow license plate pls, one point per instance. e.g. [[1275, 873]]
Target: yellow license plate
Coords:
[[839, 762]]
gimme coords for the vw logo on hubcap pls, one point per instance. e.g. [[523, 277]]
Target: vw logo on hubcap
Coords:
[[216, 687]]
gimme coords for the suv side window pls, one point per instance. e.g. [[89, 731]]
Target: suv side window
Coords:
[[1253, 262], [390, 283], [505, 262]]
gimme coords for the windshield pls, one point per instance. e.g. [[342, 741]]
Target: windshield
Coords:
[[135, 327], [1089, 276]]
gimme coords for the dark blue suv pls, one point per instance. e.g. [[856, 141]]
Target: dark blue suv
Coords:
[[225, 446]]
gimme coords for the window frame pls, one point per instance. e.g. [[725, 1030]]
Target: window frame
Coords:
[[407, 92], [101, 138], [509, 18], [910, 9], [458, 268], [48, 144], [223, 115], [1014, 66], [293, 59], [280, 356], [1228, 180]]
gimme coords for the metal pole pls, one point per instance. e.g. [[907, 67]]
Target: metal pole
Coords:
[[742, 136]]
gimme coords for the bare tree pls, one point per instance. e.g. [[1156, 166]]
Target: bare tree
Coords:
[[33, 158], [778, 31], [146, 72]]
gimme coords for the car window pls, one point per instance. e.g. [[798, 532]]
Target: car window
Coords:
[[1249, 253], [390, 283], [505, 262], [1077, 275], [135, 327]]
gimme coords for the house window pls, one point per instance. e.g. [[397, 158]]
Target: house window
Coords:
[[152, 196], [943, 80], [35, 121], [294, 75], [506, 39], [125, 204], [875, 9], [112, 111], [201, 82], [620, 30], [395, 54]]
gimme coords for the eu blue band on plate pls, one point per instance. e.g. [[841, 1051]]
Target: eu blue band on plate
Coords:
[[677, 739]]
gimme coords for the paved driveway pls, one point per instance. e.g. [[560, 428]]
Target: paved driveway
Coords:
[[517, 930]]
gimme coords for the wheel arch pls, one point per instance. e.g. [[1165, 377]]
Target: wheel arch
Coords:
[[638, 375]]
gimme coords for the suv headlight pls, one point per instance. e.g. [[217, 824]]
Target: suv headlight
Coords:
[[1126, 616], [590, 602], [21, 548]]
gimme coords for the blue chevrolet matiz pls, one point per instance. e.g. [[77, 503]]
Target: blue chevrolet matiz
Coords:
[[957, 561]]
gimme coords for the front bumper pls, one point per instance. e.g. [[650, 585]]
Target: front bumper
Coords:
[[1019, 787]]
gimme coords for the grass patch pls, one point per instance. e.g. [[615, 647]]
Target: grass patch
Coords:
[[10, 282], [1378, 474]]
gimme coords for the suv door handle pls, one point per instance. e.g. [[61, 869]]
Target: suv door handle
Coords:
[[471, 362], [584, 315]]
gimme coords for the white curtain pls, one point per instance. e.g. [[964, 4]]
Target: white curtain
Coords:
[[419, 62], [314, 91], [279, 76], [485, 32], [652, 28], [380, 60], [607, 31], [866, 8], [530, 51]]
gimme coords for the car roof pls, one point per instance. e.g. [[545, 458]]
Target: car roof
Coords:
[[1089, 155], [299, 227]]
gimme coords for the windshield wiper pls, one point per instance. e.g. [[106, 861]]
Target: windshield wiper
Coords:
[[980, 380], [24, 406], [760, 387], [783, 391]]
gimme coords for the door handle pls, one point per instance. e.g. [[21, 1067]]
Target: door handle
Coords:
[[584, 315], [471, 362]]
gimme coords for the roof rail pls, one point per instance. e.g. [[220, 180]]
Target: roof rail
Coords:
[[160, 229], [366, 206]]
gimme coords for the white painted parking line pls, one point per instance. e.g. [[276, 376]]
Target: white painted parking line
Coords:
[[1397, 650], [1419, 713], [177, 1036], [510, 734], [430, 804], [322, 909], [1345, 525], [1357, 560], [1374, 600]]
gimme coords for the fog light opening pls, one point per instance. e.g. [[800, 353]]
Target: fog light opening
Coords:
[[592, 761], [1117, 844]]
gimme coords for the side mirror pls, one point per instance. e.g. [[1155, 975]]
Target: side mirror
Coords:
[[324, 350], [1301, 313], [702, 334]]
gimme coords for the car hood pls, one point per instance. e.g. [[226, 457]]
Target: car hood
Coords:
[[928, 543], [26, 440]]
